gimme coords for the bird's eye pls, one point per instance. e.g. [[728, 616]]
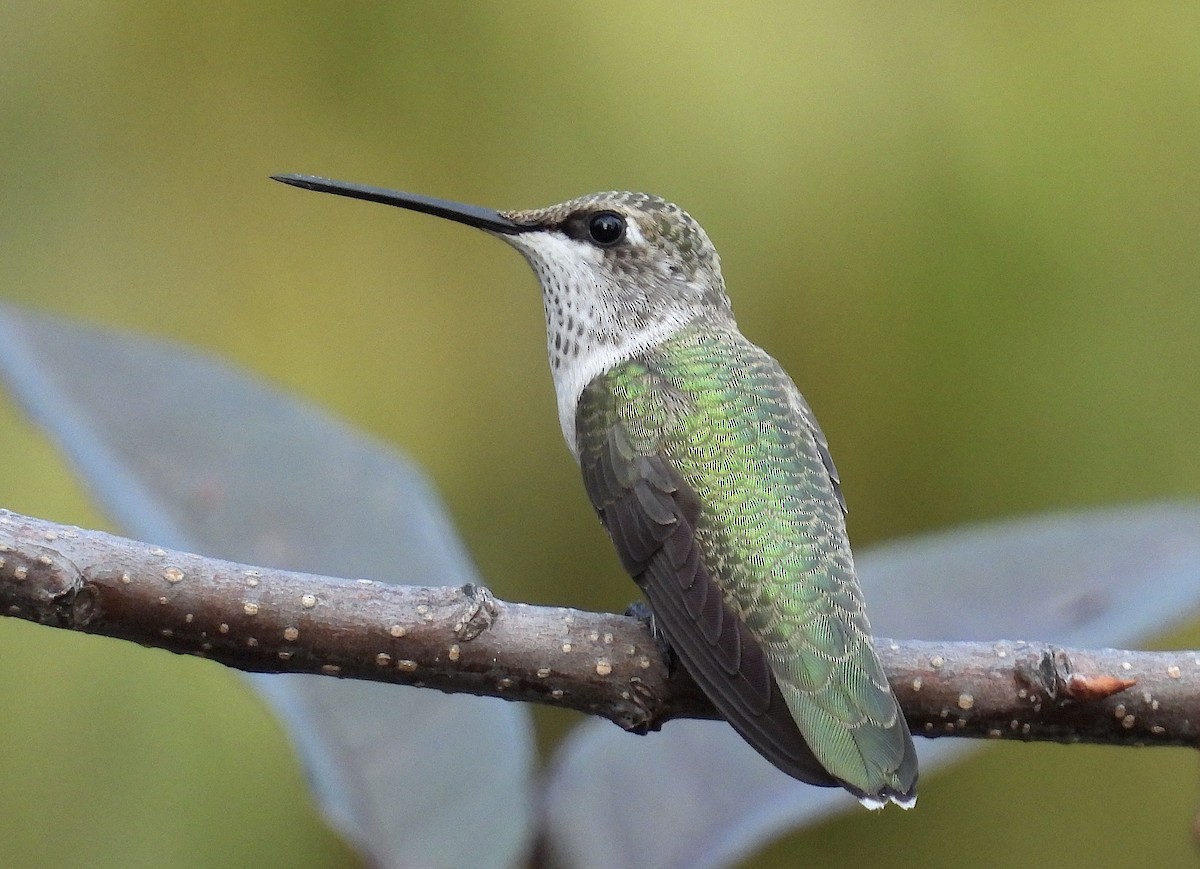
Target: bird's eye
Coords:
[[606, 228]]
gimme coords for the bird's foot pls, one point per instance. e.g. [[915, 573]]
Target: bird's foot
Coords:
[[641, 611]]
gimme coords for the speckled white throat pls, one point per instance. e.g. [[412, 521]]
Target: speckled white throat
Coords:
[[590, 325]]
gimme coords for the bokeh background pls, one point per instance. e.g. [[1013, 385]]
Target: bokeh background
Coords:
[[970, 233]]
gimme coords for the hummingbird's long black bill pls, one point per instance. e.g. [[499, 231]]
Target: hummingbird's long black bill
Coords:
[[471, 215]]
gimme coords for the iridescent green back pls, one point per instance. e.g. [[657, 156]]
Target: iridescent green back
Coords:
[[703, 450]]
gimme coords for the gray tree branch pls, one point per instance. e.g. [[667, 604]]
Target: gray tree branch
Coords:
[[463, 640]]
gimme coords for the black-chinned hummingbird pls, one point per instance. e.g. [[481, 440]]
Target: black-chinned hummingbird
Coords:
[[709, 471]]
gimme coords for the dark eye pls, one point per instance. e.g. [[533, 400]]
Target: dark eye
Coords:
[[606, 228]]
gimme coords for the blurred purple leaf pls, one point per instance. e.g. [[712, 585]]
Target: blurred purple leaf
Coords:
[[695, 795], [187, 452]]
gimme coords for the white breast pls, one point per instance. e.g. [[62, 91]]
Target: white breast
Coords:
[[572, 375]]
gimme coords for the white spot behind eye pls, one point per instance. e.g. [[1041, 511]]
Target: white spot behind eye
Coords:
[[633, 233]]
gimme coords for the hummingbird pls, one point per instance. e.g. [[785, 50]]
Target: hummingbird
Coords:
[[710, 473]]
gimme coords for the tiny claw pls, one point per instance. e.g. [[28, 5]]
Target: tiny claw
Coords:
[[641, 611]]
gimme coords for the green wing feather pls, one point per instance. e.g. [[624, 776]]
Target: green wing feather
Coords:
[[715, 483]]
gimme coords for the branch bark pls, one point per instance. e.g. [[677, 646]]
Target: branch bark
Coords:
[[464, 640]]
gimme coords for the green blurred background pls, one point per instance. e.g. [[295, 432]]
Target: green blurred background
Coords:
[[970, 234]]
